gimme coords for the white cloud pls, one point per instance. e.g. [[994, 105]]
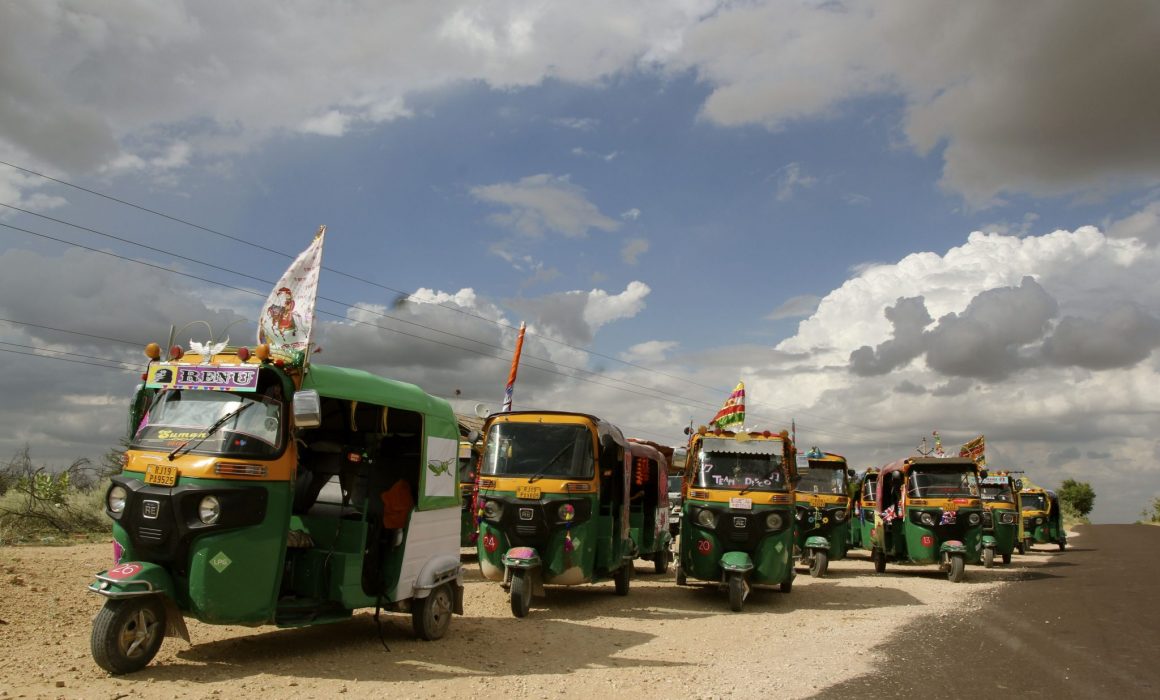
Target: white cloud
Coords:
[[630, 214], [795, 307], [791, 179], [649, 351], [544, 203], [633, 249], [1144, 225], [332, 123]]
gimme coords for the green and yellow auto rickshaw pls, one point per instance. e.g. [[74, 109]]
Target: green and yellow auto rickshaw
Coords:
[[928, 512], [822, 509], [862, 509], [554, 496], [1002, 526], [1042, 518], [467, 488], [262, 492], [737, 525], [648, 504]]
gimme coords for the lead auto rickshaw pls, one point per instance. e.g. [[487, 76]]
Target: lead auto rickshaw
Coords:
[[259, 492], [648, 503], [822, 507], [1042, 518], [737, 525], [862, 515], [554, 496], [929, 512], [1002, 525]]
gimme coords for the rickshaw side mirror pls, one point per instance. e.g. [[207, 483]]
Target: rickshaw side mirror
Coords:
[[473, 436], [983, 473], [1018, 484], [307, 409]]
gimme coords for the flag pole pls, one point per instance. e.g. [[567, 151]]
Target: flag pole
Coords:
[[511, 382], [310, 332]]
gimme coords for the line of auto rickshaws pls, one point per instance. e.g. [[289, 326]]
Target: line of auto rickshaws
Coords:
[[564, 499], [294, 497]]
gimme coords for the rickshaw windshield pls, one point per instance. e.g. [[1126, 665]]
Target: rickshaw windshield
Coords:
[[674, 484], [752, 466], [943, 483], [997, 492], [554, 450], [1034, 501], [179, 416], [868, 488], [819, 479]]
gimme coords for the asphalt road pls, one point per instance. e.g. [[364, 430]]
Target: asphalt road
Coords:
[[1082, 624]]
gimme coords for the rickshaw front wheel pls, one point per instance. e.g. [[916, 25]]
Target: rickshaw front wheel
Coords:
[[1007, 558], [957, 569], [621, 578], [786, 586], [681, 579], [127, 633], [819, 563], [879, 558], [661, 562], [736, 592], [1062, 546], [521, 593], [988, 557], [431, 616]]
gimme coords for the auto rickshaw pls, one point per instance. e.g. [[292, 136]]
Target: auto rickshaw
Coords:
[[1002, 525], [737, 525], [928, 512], [676, 490], [822, 507], [862, 509], [467, 488], [648, 503], [263, 492], [1042, 518], [554, 496]]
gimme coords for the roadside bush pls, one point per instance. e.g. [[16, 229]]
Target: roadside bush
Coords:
[[38, 503]]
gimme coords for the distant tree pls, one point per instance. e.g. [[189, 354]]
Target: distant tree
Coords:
[[1078, 496], [1152, 515]]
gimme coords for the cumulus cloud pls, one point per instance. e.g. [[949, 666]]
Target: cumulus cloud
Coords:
[[544, 203], [795, 307], [649, 351], [576, 316], [909, 318], [1121, 337], [1143, 225]]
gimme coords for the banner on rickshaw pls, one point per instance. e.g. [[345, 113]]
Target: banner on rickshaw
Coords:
[[288, 315], [733, 411], [974, 450]]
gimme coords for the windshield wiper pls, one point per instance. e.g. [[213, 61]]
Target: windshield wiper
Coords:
[[192, 443], [540, 474]]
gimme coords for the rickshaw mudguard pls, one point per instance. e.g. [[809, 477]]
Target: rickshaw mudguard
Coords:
[[521, 558], [737, 561], [817, 542], [990, 542], [438, 571], [135, 579], [952, 547]]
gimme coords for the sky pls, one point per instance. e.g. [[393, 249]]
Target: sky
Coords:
[[885, 218]]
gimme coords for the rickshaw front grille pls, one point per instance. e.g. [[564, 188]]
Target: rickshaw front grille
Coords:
[[152, 534]]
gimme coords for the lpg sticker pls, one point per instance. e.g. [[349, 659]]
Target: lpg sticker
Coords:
[[220, 562], [123, 571]]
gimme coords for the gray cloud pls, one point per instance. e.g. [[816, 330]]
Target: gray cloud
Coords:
[[1068, 454], [908, 387], [909, 317], [1119, 338], [544, 203]]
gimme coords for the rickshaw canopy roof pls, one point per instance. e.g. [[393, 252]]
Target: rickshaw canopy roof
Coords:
[[742, 447], [364, 387]]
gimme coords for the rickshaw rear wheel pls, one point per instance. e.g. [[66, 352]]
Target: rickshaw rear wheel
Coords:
[[879, 558], [819, 563], [621, 578], [661, 562], [786, 586], [957, 569], [736, 592], [1062, 546], [681, 580], [521, 594], [431, 616], [1006, 558], [988, 557], [127, 633]]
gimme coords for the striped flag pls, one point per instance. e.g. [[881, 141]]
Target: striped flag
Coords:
[[733, 412]]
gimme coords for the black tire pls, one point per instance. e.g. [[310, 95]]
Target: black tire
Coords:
[[736, 592], [622, 577], [879, 558], [988, 557], [431, 616], [521, 593], [958, 568], [820, 563], [1062, 546], [786, 586], [1006, 558], [127, 633], [661, 562], [681, 580]]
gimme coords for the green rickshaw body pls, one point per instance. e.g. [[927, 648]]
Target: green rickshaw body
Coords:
[[553, 497], [468, 528], [862, 510], [928, 511], [738, 510], [822, 510], [225, 490], [1002, 523], [648, 503], [1042, 518]]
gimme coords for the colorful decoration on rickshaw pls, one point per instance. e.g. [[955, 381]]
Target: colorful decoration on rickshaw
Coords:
[[815, 453], [567, 512], [949, 517], [640, 471], [568, 541]]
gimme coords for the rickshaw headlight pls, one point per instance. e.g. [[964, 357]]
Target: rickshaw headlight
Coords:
[[926, 519], [705, 519], [116, 499], [1039, 521], [974, 519], [492, 510], [774, 521], [1007, 518], [839, 516], [209, 510]]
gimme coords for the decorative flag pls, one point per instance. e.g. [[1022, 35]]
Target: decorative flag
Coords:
[[975, 450], [733, 411], [288, 314], [511, 382]]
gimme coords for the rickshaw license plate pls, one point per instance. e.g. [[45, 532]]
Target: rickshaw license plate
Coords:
[[528, 492], [160, 475], [817, 501], [741, 503]]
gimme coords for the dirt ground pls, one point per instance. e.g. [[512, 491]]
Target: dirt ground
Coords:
[[660, 641]]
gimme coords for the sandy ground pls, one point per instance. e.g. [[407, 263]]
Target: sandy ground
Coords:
[[660, 641]]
